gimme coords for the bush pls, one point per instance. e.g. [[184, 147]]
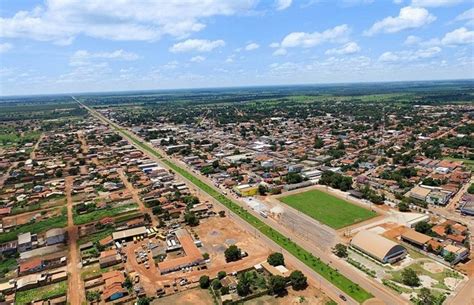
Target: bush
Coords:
[[276, 259], [204, 282]]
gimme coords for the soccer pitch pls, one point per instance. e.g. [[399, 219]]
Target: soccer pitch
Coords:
[[327, 209]]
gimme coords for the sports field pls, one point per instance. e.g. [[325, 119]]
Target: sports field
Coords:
[[327, 209]]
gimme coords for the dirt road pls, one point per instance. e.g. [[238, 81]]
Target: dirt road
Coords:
[[76, 287], [136, 197]]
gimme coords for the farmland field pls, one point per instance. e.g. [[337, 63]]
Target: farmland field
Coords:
[[327, 209]]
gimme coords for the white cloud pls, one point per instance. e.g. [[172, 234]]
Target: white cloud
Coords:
[[5, 47], [408, 18], [409, 55], [283, 4], [458, 37], [412, 40], [230, 59], [117, 54], [198, 45], [252, 46], [171, 65], [280, 52], [348, 48], [339, 34], [274, 45], [435, 3], [466, 16], [61, 21], [197, 58]]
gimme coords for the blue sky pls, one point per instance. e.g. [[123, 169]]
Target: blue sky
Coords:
[[60, 46]]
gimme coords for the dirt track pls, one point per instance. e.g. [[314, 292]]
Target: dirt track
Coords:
[[76, 287]]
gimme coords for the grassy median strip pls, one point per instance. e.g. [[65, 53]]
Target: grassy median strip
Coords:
[[329, 273]]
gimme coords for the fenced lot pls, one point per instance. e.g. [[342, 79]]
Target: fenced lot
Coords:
[[327, 209]]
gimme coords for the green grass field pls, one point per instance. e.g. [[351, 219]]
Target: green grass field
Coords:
[[327, 209]]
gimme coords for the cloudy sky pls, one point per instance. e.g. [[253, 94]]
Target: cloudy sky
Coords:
[[58, 46]]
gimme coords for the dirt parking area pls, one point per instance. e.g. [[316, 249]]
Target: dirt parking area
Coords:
[[191, 297], [218, 233], [308, 296]]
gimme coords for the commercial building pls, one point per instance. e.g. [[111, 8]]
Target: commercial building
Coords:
[[415, 238], [378, 247], [129, 234], [193, 255]]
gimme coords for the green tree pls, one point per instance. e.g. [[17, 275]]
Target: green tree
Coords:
[[423, 227], [318, 143], [221, 275], [426, 298], [298, 280], [224, 290], [191, 219], [204, 282], [128, 284], [403, 206], [262, 189], [277, 284], [410, 278], [233, 253], [243, 286], [450, 257], [470, 190], [216, 284], [276, 259], [143, 301], [340, 250], [93, 295]]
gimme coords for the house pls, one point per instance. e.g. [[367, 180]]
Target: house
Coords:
[[438, 197], [378, 247], [460, 253], [32, 266], [113, 289], [25, 241], [419, 193], [55, 236], [109, 258]]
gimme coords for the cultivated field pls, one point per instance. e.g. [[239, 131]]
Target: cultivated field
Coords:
[[327, 209]]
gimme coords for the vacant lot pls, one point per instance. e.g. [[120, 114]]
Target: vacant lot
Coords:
[[309, 296], [41, 293], [325, 208], [191, 297]]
